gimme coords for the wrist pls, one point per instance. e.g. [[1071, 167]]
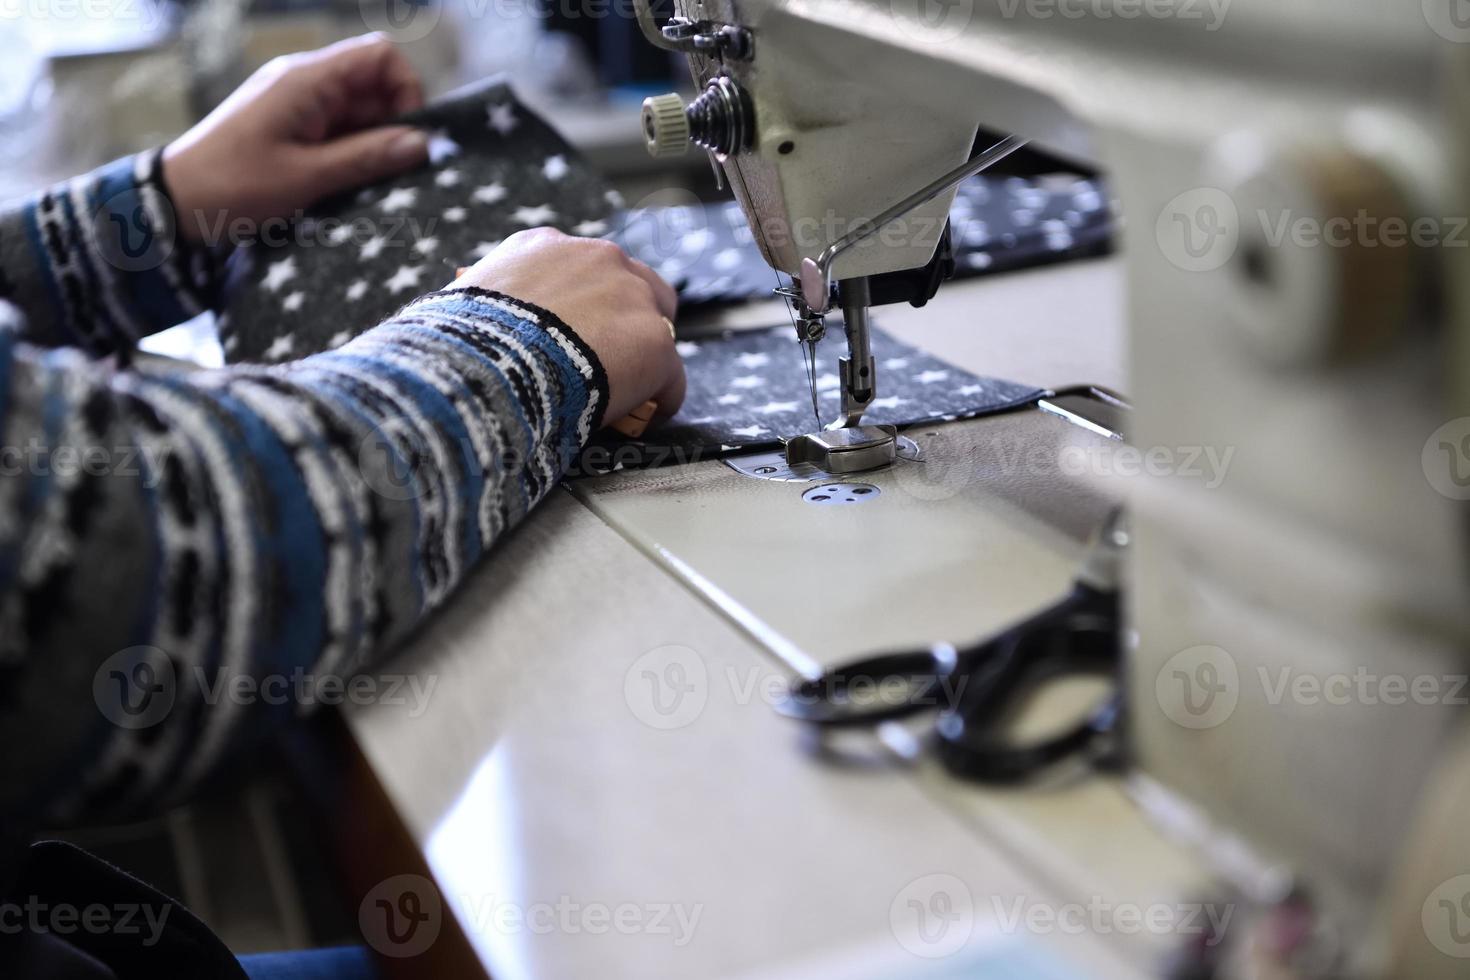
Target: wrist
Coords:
[[180, 181]]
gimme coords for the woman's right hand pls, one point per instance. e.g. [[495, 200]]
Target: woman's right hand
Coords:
[[620, 308]]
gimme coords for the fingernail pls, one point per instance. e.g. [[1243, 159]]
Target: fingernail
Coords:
[[408, 150]]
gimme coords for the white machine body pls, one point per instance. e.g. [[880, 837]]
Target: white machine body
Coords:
[[1322, 369]]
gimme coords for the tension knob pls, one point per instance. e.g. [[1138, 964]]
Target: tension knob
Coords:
[[666, 125]]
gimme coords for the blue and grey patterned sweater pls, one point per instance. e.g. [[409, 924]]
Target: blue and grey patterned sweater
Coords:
[[159, 525]]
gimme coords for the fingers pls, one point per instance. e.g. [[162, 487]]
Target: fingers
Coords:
[[619, 307], [378, 81], [366, 157], [390, 75], [363, 111], [664, 294], [671, 396]]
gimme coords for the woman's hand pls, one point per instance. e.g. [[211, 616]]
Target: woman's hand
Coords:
[[616, 304], [304, 127]]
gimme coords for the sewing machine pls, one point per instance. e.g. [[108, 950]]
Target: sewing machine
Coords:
[[1318, 364], [1333, 547]]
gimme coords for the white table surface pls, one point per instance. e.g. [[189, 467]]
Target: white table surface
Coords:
[[542, 776]]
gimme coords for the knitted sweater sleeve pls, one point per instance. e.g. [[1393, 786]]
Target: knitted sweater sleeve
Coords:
[[170, 539], [95, 262]]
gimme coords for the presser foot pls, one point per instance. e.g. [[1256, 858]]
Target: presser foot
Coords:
[[854, 449]]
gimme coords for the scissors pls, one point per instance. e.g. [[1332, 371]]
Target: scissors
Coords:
[[978, 689]]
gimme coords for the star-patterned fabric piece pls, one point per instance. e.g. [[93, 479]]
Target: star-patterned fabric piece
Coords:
[[998, 224], [495, 168], [748, 389]]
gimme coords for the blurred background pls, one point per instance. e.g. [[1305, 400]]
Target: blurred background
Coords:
[[85, 81]]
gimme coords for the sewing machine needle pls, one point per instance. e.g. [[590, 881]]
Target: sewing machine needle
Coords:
[[810, 356]]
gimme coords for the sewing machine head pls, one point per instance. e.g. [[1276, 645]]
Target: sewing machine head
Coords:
[[848, 196], [1218, 124]]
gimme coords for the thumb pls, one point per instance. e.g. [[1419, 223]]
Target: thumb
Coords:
[[349, 162]]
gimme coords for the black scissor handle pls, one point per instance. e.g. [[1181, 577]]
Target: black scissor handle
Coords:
[[1078, 636], [890, 686], [977, 688]]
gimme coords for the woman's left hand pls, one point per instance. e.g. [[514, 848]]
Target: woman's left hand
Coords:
[[302, 128]]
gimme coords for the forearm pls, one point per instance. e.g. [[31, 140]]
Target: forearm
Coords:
[[96, 262], [275, 520]]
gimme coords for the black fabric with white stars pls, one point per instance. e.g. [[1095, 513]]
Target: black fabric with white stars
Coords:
[[999, 224], [495, 169], [748, 389]]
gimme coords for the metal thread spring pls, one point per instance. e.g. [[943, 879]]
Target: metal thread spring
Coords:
[[720, 118]]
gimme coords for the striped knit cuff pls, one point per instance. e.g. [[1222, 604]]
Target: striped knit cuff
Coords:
[[115, 268], [579, 384]]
